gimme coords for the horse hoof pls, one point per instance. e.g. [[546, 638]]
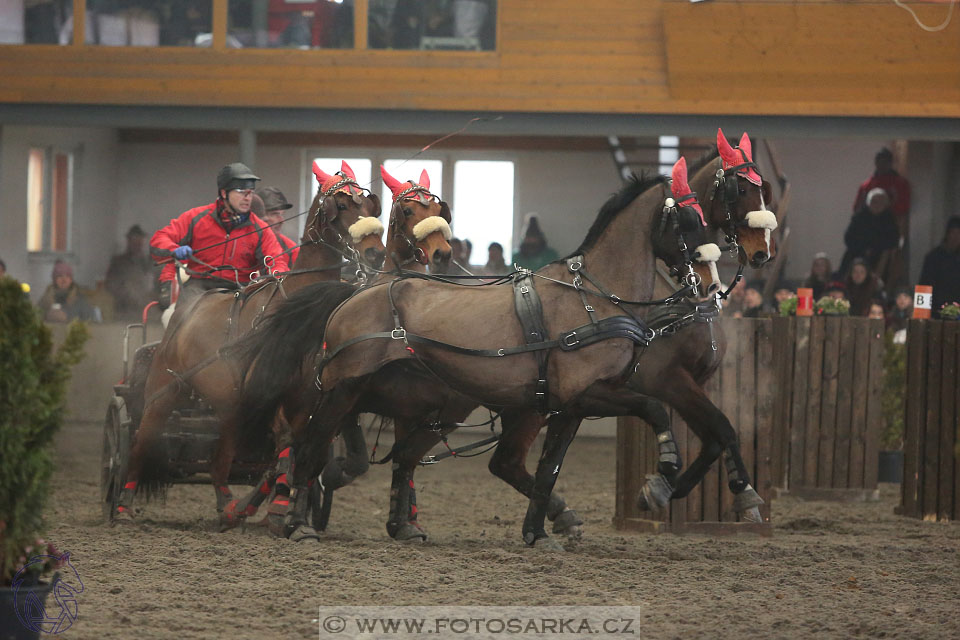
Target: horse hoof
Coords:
[[548, 544], [751, 515], [746, 499], [569, 524], [655, 494], [410, 532], [304, 533], [124, 517]]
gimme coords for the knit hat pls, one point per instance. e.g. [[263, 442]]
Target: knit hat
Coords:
[[61, 268]]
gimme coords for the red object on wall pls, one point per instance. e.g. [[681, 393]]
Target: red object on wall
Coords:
[[804, 302], [318, 12]]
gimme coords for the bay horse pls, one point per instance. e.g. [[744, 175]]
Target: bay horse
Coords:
[[418, 238], [342, 222], [688, 362], [407, 392]]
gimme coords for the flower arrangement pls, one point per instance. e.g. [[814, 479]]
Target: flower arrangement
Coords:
[[950, 311], [788, 307], [827, 306], [33, 383]]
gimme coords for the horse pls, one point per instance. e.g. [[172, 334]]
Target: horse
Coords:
[[341, 222], [389, 389], [691, 362], [418, 238]]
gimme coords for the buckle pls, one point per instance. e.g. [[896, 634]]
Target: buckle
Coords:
[[399, 334], [571, 339], [524, 289], [575, 266], [589, 309]]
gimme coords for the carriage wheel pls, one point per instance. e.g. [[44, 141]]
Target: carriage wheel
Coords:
[[114, 457], [321, 502]]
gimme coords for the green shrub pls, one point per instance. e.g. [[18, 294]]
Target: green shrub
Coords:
[[827, 306], [33, 382], [788, 307], [894, 394]]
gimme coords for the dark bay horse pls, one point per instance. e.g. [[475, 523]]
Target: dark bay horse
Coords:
[[634, 234], [418, 238], [342, 222]]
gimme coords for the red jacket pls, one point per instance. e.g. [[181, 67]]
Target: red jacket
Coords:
[[896, 186], [286, 244], [201, 228]]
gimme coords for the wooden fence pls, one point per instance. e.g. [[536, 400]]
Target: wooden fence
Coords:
[[931, 466], [828, 407], [743, 389]]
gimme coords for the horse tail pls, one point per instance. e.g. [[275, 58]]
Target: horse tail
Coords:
[[155, 473], [274, 352]]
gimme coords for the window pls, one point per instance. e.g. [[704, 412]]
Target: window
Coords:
[[291, 24], [36, 22], [49, 190], [465, 25], [406, 170], [147, 23], [669, 153], [483, 205]]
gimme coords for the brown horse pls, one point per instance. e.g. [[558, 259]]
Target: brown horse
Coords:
[[389, 390], [341, 223], [695, 358], [418, 238]]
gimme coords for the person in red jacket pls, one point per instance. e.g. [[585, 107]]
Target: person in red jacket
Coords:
[[222, 243], [896, 186], [274, 204]]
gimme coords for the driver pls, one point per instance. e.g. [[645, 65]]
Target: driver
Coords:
[[222, 243]]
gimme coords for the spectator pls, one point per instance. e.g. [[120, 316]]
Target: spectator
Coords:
[[220, 243], [821, 273], [533, 252], [63, 300], [784, 291], [941, 267], [467, 251], [902, 310], [130, 276], [753, 305], [274, 204], [876, 311], [896, 186], [496, 266], [836, 290], [3, 268], [872, 232], [862, 287]]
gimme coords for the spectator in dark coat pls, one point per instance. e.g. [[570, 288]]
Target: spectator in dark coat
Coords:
[[131, 276], [821, 274], [863, 288], [941, 267], [896, 186], [872, 231], [902, 310]]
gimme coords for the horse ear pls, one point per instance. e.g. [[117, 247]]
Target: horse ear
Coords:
[[445, 211], [391, 182], [347, 171], [374, 200], [424, 179], [730, 157], [317, 171], [767, 192], [746, 147], [330, 210], [679, 186]]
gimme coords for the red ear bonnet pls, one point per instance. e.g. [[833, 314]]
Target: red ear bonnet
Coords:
[[681, 190], [409, 190], [329, 184], [732, 157]]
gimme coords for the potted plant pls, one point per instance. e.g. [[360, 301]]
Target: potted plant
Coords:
[[788, 307], [890, 466], [827, 306], [950, 311], [33, 381]]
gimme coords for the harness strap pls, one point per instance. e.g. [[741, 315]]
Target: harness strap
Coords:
[[574, 265], [530, 313]]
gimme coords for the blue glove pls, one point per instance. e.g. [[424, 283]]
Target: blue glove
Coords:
[[182, 253]]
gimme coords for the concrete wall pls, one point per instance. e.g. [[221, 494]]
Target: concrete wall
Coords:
[[94, 215]]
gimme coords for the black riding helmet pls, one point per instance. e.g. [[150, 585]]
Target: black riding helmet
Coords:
[[236, 176]]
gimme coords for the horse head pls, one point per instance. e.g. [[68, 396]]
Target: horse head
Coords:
[[681, 237], [738, 197], [345, 215], [419, 223]]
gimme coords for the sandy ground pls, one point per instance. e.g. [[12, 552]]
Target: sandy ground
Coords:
[[830, 571]]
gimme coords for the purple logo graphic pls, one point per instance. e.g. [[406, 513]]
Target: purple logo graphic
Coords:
[[29, 606]]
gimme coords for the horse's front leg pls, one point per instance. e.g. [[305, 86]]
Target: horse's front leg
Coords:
[[412, 444], [561, 429]]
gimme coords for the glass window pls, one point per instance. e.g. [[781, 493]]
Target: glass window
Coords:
[[149, 23], [405, 170], [49, 191], [474, 218], [464, 25], [296, 24], [668, 154], [36, 21]]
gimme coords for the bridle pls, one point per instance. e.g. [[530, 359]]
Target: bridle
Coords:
[[727, 183], [397, 218], [673, 210], [338, 242]]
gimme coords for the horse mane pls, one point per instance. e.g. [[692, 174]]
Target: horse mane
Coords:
[[275, 350], [619, 201], [708, 156]]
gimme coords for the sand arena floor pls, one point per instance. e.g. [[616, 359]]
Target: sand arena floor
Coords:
[[830, 571]]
